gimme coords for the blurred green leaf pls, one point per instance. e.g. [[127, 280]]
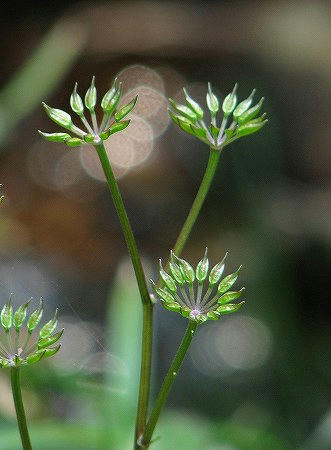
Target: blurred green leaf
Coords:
[[50, 61], [241, 437], [183, 431], [124, 331], [56, 436]]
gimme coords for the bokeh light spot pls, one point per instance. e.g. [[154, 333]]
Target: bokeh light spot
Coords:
[[139, 75], [234, 343], [151, 105], [91, 163], [243, 342]]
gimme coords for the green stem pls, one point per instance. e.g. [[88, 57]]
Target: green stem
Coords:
[[167, 383], [145, 372], [125, 224], [20, 413], [214, 156], [147, 331]]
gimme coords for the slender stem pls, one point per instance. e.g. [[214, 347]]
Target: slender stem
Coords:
[[198, 201], [191, 292], [211, 302], [147, 331], [199, 293], [179, 300], [87, 125], [104, 123], [222, 128], [145, 371], [94, 122], [10, 342], [20, 413], [124, 220], [167, 383], [186, 297], [77, 131], [202, 123]]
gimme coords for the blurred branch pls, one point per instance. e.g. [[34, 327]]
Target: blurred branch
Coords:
[[43, 70]]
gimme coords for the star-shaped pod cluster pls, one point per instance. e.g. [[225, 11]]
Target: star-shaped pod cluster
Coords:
[[21, 345], [112, 121], [225, 125], [182, 289]]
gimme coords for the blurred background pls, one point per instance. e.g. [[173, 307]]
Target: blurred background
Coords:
[[257, 380]]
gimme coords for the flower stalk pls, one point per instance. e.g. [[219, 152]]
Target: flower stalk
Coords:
[[208, 177], [145, 439], [124, 221], [19, 408], [147, 331]]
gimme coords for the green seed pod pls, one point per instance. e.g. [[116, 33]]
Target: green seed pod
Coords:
[[163, 293], [3, 363], [178, 118], [55, 137], [51, 351], [185, 311], [230, 102], [49, 327], [175, 270], [76, 102], [35, 357], [115, 101], [230, 308], [217, 271], [214, 130], [58, 116], [182, 122], [187, 270], [89, 138], [91, 96], [184, 111], [17, 360], [212, 101], [35, 317], [167, 279], [250, 128], [50, 340], [199, 132], [213, 315], [202, 268], [111, 98], [172, 306], [229, 297], [6, 315], [115, 128], [125, 110], [229, 133], [20, 316], [43, 353], [250, 113], [195, 107], [228, 282], [259, 119], [201, 318], [243, 106], [74, 142]]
